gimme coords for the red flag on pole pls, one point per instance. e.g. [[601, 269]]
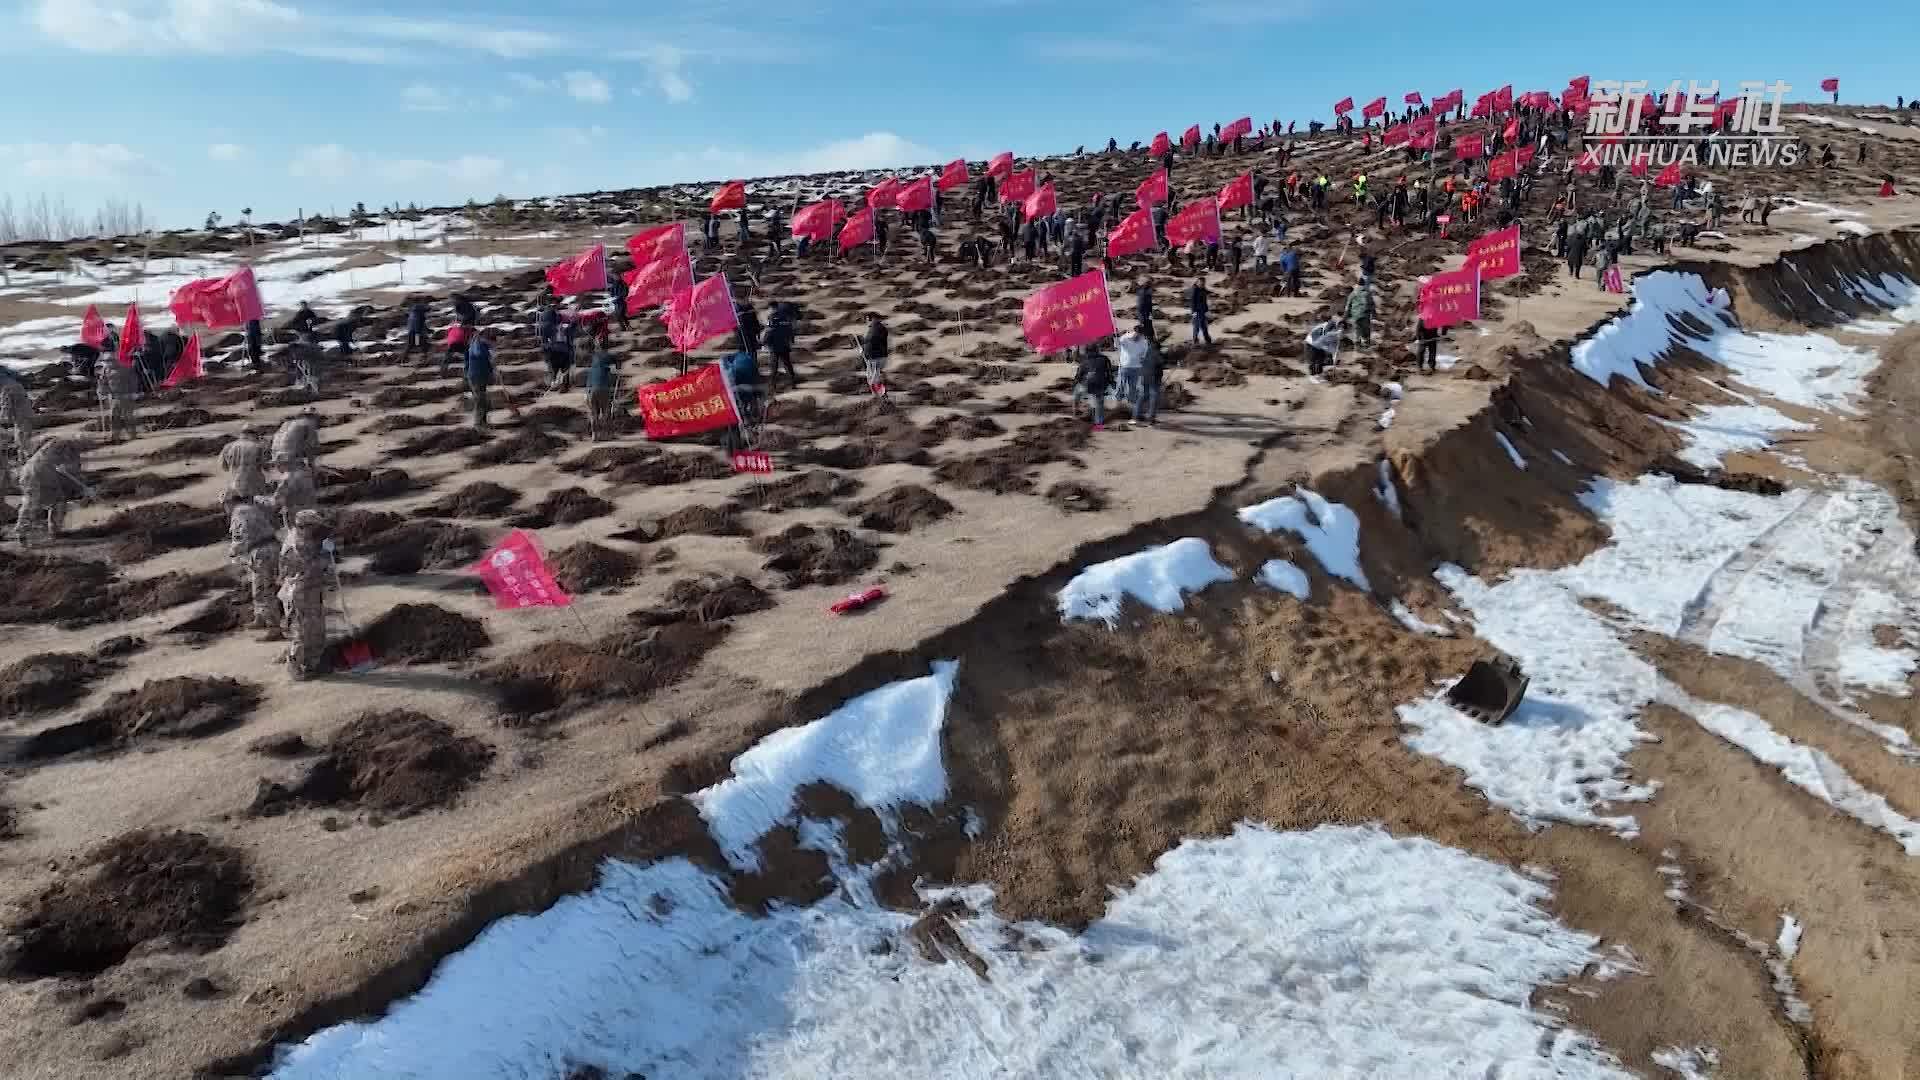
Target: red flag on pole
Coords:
[[1161, 144], [1468, 147], [1449, 298], [1588, 162], [1511, 131], [584, 272], [1152, 190], [1422, 128], [1641, 163], [1454, 99], [1412, 98], [1343, 106], [1072, 312], [915, 196], [1376, 107], [1001, 165], [1131, 236], [1394, 136], [858, 230], [1496, 255], [1018, 186], [1830, 85], [188, 366], [1580, 83], [1500, 167], [882, 194], [516, 573], [130, 336], [1039, 204], [1242, 126], [93, 328], [1238, 192], [731, 195], [1669, 176], [697, 401], [815, 220], [654, 284], [1190, 138], [1503, 98], [954, 175], [1482, 106], [700, 314], [1199, 221], [218, 303], [650, 245]]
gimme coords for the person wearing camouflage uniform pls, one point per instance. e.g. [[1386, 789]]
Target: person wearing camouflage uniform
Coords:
[[296, 440], [253, 547], [16, 409], [244, 462], [305, 560], [113, 385], [295, 492], [48, 481]]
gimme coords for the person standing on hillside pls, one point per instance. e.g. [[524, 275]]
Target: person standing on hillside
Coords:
[[1426, 341], [48, 481], [296, 490], [113, 386], [600, 387], [305, 559], [617, 296], [1076, 250], [1092, 378], [253, 546], [779, 342], [1197, 306], [1360, 313], [1132, 347], [479, 372], [1290, 270], [1143, 306], [244, 461], [750, 329], [416, 326], [874, 347], [256, 346]]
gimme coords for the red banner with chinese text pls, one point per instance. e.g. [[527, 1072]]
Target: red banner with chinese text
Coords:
[[516, 573], [1199, 221], [700, 314], [1131, 236], [1073, 312], [1496, 255], [695, 402], [1450, 298]]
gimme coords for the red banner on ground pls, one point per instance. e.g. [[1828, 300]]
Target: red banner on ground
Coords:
[[1039, 204], [1376, 107], [1152, 190], [189, 366], [698, 401], [700, 314], [915, 196], [1199, 221], [858, 230], [1450, 298], [93, 328], [1018, 186], [1469, 146], [648, 245], [1422, 127], [1073, 312], [1496, 255], [1001, 165], [130, 336], [584, 272], [1131, 236], [516, 573], [1191, 137], [1343, 106], [954, 175], [654, 284], [731, 195], [1161, 144], [1238, 192]]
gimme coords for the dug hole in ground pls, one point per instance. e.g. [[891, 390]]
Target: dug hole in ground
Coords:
[[1687, 853]]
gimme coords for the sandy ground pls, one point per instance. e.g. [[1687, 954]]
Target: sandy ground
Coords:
[[1089, 753]]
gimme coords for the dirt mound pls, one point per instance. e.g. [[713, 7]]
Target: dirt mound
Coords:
[[406, 397], [47, 681], [352, 528], [963, 426], [413, 546], [481, 499], [815, 487], [587, 567], [1750, 483], [182, 707], [179, 888], [77, 592], [706, 600], [424, 634], [1078, 498], [392, 422], [567, 506], [723, 520], [1035, 403], [524, 447], [396, 763], [631, 664], [556, 418], [1008, 468], [810, 556], [188, 449], [902, 509], [648, 465], [143, 485], [443, 441], [339, 487], [141, 532], [9, 823], [186, 417]]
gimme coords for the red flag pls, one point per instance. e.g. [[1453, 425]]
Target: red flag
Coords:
[[130, 337], [1190, 138], [698, 401], [1482, 106], [915, 196], [1199, 221], [1422, 128], [1412, 98], [1161, 144], [954, 175], [1589, 162], [1496, 255], [1886, 189], [1072, 312], [1669, 176], [1511, 131], [882, 194], [654, 284], [1131, 236], [731, 195], [1453, 99], [1641, 163], [1468, 147], [858, 230], [1446, 299], [584, 272], [188, 366], [1581, 83], [1238, 192], [1523, 157], [218, 303], [1001, 165], [1018, 186], [1242, 126], [1503, 99], [1500, 167], [1376, 107], [1152, 190], [516, 573], [650, 245], [1394, 136], [93, 328], [1343, 106], [1830, 85], [698, 315], [1039, 204], [815, 220]]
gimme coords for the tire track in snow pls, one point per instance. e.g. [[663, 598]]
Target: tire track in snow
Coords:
[[1710, 605]]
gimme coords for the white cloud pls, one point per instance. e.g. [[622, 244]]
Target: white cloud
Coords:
[[527, 82], [588, 87], [664, 71], [226, 151], [76, 161], [874, 150], [674, 85], [420, 97], [331, 161]]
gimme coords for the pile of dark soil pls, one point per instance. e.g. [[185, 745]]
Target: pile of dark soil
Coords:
[[192, 448], [1008, 468], [141, 532], [177, 888], [339, 487], [480, 499], [815, 487], [424, 634], [564, 507], [564, 418], [1036, 403], [902, 509], [706, 600], [182, 707], [47, 681], [441, 441], [587, 567], [143, 485], [630, 664], [413, 546], [396, 763], [392, 422], [9, 823], [406, 397], [76, 592], [525, 447], [1750, 483], [185, 417], [1078, 498], [353, 528], [809, 556], [648, 465], [698, 520], [964, 426]]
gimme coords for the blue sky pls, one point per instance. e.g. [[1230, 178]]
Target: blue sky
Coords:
[[191, 105]]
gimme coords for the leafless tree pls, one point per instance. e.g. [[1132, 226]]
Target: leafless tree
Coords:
[[43, 218]]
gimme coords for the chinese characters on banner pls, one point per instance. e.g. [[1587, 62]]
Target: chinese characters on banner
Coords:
[[1450, 298], [1131, 236], [1468, 148], [651, 245], [700, 314], [695, 402], [1343, 106], [1376, 107], [1394, 136], [1501, 167], [1496, 255], [1018, 186], [1073, 312], [752, 461], [653, 284], [516, 573]]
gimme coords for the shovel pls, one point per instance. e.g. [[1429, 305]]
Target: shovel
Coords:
[[355, 652]]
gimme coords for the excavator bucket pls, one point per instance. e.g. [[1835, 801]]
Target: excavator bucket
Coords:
[[1490, 690]]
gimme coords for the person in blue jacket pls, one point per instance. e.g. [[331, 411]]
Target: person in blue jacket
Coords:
[[743, 371], [479, 374]]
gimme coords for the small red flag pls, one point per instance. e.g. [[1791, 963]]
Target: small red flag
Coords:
[[1449, 298], [1190, 138], [815, 220], [1039, 204], [1496, 255], [130, 336], [700, 314], [1152, 190], [1500, 167], [93, 328], [1503, 98], [1001, 165], [1580, 83], [1199, 221], [1019, 185], [1412, 98], [1511, 131], [858, 230], [1830, 85], [1453, 100], [654, 284], [1523, 157], [1422, 127], [1641, 163], [882, 194], [649, 245], [1469, 147], [700, 400], [1161, 144], [1669, 176], [1131, 236], [1238, 192], [516, 573], [1240, 127], [1886, 189], [218, 303], [584, 272], [188, 366], [1376, 107], [954, 175], [1343, 106], [915, 196], [731, 195], [1072, 312], [1394, 136]]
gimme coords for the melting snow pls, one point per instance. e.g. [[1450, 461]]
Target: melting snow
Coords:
[[1412, 621], [1697, 1063], [1158, 577], [1512, 454], [1286, 577], [1330, 530], [1789, 942], [1386, 491], [1857, 228]]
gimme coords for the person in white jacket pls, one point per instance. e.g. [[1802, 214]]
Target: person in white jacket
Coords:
[[1260, 253], [1128, 385], [1323, 341]]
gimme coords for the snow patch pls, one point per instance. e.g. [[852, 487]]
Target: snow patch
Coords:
[[1789, 941], [1412, 621], [1512, 454], [1286, 577], [1386, 491], [1696, 1063], [1158, 577], [1330, 530]]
